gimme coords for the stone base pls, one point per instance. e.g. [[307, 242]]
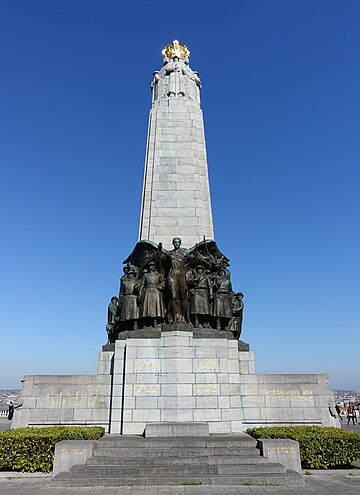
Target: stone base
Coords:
[[108, 347], [209, 333], [177, 327], [176, 377], [142, 333], [83, 400], [243, 346], [155, 333]]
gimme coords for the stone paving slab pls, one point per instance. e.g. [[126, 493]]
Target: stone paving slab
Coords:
[[331, 483], [5, 424], [345, 426]]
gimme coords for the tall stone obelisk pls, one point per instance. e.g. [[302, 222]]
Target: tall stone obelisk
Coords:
[[176, 194]]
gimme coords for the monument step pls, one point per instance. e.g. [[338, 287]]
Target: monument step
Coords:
[[220, 441], [144, 461], [167, 429], [214, 460], [180, 451], [175, 460], [144, 471], [288, 478], [149, 471]]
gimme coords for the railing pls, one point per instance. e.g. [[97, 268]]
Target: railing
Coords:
[[4, 413]]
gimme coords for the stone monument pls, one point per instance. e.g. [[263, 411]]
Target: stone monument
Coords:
[[173, 352]]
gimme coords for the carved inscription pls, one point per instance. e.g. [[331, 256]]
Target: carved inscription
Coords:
[[302, 399], [76, 393], [147, 389], [144, 366], [97, 400], [281, 450], [277, 391], [279, 396], [98, 392], [76, 398], [65, 400], [73, 451], [209, 366], [297, 398], [206, 389]]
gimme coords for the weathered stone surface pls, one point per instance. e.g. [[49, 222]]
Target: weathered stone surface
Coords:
[[184, 383], [206, 460], [65, 399], [175, 377], [280, 400], [282, 451], [70, 453], [178, 429], [176, 194]]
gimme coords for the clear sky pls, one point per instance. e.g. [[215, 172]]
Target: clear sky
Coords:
[[281, 104]]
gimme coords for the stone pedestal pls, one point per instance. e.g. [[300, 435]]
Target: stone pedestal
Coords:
[[176, 378]]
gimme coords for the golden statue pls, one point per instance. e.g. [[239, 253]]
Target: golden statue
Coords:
[[176, 50]]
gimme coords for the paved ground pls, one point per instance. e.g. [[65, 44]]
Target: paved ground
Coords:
[[320, 484], [4, 424], [355, 427]]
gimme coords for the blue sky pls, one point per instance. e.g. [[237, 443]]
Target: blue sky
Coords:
[[281, 104]]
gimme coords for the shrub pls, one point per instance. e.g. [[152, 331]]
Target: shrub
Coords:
[[320, 447], [32, 449]]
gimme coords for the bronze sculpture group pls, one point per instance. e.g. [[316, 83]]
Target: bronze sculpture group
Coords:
[[188, 286]]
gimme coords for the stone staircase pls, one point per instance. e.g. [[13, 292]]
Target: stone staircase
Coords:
[[213, 460]]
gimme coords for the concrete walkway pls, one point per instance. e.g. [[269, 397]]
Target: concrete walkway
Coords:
[[331, 483]]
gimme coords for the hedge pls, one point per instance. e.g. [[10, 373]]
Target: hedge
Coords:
[[320, 447], [32, 449]]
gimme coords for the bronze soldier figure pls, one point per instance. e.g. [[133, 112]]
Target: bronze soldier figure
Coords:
[[178, 309], [200, 296], [151, 296], [129, 312], [222, 300], [111, 319], [237, 308]]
